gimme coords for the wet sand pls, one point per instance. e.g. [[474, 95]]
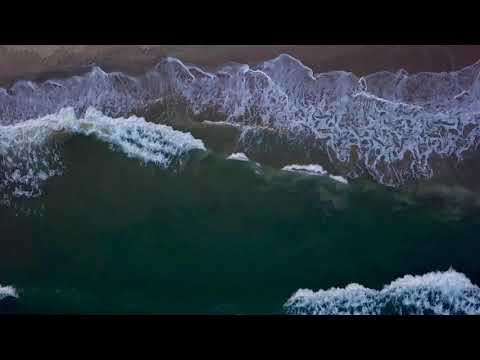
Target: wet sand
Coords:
[[39, 62]]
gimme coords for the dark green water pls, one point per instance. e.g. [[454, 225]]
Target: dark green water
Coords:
[[115, 236]]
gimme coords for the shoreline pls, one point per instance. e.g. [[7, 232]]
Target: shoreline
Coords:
[[42, 62]]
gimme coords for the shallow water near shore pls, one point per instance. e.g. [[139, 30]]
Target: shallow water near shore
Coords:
[[113, 235]]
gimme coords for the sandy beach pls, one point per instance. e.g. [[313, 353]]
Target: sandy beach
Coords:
[[38, 62]]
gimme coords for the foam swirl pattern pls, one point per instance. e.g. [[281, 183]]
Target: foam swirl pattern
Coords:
[[392, 124]]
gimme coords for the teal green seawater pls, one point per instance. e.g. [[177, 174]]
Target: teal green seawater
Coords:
[[116, 236]]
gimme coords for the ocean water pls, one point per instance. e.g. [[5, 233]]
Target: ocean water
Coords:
[[114, 234], [107, 213]]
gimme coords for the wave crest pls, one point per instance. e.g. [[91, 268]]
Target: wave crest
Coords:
[[29, 155], [435, 293]]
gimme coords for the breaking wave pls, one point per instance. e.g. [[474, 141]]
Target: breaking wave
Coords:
[[389, 124], [30, 150], [7, 291], [435, 293]]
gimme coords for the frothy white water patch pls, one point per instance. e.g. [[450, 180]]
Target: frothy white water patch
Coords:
[[394, 122], [7, 291], [435, 293], [137, 138], [339, 178], [238, 156], [221, 123], [29, 156], [314, 169]]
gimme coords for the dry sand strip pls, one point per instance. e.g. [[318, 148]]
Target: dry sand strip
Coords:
[[39, 62]]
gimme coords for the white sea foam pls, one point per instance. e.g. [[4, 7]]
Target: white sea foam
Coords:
[[439, 293], [396, 122], [28, 156], [7, 291], [344, 112], [339, 178], [314, 169], [238, 156]]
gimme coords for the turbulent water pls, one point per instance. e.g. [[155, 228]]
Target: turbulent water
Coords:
[[103, 210], [441, 293], [29, 156], [393, 122]]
